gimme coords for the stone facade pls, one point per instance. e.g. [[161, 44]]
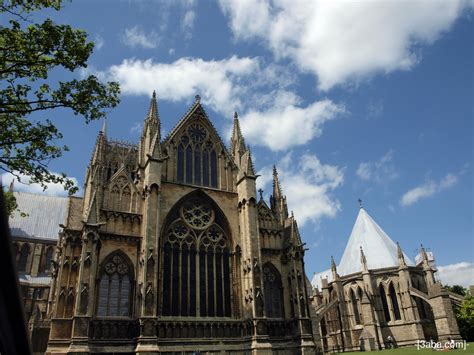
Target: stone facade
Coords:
[[170, 250]]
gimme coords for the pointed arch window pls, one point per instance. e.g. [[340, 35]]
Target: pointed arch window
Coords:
[[273, 288], [383, 297], [196, 264], [115, 287], [23, 260], [393, 298], [46, 262], [355, 307], [197, 158]]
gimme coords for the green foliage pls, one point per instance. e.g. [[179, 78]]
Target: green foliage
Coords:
[[10, 202], [29, 53], [460, 290], [465, 318]]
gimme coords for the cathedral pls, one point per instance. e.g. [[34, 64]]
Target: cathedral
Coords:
[[171, 251]]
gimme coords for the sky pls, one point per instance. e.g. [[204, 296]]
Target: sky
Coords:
[[350, 99]]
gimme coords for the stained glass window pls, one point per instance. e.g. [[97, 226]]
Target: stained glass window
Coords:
[[24, 253], [197, 161], [114, 288], [194, 278], [273, 289]]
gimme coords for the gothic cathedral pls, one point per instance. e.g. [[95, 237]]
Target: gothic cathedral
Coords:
[[171, 251]]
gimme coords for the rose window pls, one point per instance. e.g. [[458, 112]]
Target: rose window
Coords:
[[197, 215], [197, 132]]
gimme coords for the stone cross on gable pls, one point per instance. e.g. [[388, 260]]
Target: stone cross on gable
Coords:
[[261, 193]]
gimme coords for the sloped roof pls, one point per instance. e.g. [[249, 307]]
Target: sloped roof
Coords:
[[380, 251], [44, 215]]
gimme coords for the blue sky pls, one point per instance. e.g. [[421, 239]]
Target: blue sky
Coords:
[[370, 100]]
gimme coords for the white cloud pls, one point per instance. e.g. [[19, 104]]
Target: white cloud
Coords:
[[25, 185], [342, 41], [188, 23], [286, 123], [98, 42], [381, 171], [218, 82], [136, 37], [428, 189], [308, 185], [457, 274], [274, 118], [136, 128]]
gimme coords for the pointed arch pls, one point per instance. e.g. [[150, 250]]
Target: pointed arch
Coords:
[[196, 262], [273, 288], [383, 298], [394, 300], [23, 259], [115, 286], [46, 260], [355, 307]]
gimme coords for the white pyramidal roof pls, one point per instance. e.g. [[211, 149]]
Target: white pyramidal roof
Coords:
[[380, 251]]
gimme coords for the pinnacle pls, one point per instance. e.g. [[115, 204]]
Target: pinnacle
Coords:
[[153, 110]]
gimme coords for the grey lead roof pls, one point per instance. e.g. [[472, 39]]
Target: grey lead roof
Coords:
[[44, 215]]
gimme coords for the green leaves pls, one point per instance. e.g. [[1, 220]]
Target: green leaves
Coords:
[[29, 52]]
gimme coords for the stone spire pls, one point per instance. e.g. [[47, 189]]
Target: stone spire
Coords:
[[247, 164], [401, 257], [151, 137], [153, 110], [334, 269], [100, 143], [363, 260], [103, 130], [237, 142], [277, 193], [278, 200]]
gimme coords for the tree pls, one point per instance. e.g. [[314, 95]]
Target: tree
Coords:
[[10, 202], [458, 289], [28, 53], [465, 318]]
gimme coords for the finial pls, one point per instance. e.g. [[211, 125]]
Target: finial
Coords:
[[360, 203], [261, 193], [198, 98], [275, 172], [236, 115], [154, 94]]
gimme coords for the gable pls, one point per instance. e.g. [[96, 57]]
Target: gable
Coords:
[[198, 128]]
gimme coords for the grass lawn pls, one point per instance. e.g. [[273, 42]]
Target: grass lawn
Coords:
[[413, 350]]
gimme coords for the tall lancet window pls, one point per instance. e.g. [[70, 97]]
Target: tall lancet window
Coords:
[[115, 287], [196, 263], [355, 307], [393, 298], [383, 298], [273, 289], [23, 260], [197, 158]]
